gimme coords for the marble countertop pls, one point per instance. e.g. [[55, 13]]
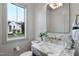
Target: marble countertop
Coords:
[[67, 52], [51, 49]]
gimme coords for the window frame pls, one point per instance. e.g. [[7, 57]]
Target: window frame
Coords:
[[5, 24]]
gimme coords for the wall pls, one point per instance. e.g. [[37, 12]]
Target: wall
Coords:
[[24, 44], [40, 19]]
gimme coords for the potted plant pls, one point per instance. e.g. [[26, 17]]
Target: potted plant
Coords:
[[43, 35]]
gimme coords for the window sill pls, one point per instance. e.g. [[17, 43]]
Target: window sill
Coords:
[[16, 39]]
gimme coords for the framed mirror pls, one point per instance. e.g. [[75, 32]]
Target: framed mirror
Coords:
[[58, 20]]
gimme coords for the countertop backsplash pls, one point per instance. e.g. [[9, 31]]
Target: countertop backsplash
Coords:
[[59, 36]]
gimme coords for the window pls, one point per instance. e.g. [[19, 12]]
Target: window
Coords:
[[16, 22]]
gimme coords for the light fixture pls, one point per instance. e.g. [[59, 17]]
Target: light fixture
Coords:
[[55, 5]]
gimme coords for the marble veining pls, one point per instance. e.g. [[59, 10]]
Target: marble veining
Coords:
[[51, 49]]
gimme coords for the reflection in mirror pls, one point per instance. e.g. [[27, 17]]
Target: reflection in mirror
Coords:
[[58, 19]]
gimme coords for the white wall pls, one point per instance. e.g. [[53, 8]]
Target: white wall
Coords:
[[0, 25], [40, 19]]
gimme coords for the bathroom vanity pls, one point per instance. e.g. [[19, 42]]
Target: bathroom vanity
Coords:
[[43, 48]]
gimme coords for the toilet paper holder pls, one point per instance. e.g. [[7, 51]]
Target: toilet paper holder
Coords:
[[16, 49]]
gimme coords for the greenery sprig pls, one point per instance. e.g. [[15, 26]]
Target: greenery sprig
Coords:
[[43, 34]]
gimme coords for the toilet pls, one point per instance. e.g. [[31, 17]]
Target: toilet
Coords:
[[28, 53]]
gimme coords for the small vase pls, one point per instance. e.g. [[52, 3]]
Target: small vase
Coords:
[[45, 39], [68, 44]]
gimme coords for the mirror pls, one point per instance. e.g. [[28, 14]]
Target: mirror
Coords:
[[58, 19]]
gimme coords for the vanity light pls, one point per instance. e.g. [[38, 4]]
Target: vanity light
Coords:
[[55, 5]]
